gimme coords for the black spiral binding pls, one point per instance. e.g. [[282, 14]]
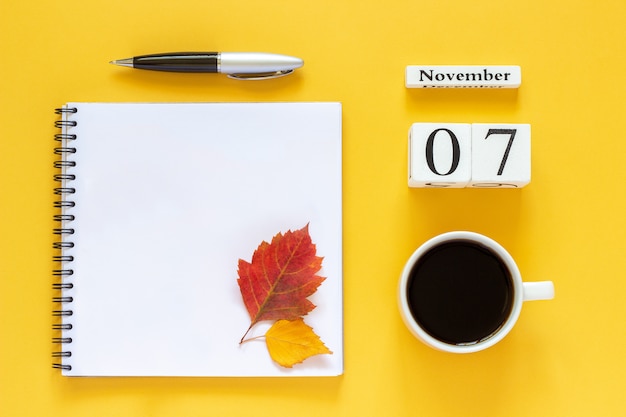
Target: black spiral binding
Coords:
[[64, 190]]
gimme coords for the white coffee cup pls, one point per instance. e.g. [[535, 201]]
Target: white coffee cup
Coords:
[[434, 262]]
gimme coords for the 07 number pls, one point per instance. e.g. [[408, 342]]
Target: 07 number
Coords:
[[456, 149]]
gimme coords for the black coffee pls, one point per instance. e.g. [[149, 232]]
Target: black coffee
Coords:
[[460, 292]]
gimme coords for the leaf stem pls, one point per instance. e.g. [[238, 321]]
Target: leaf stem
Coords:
[[245, 334], [251, 339]]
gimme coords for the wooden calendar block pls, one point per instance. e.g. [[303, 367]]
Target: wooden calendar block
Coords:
[[463, 76], [440, 155], [500, 155]]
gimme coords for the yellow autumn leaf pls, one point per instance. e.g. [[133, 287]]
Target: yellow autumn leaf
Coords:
[[292, 341]]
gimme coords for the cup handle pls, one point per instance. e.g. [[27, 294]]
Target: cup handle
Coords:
[[542, 290]]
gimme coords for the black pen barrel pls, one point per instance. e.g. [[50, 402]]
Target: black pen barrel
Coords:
[[187, 62]]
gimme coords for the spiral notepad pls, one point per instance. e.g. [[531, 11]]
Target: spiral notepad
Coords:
[[157, 203]]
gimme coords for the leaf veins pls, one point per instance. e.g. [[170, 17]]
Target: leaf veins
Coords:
[[282, 274]]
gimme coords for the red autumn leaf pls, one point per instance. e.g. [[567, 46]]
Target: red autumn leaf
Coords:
[[282, 274]]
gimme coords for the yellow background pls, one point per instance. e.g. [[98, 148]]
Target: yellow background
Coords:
[[565, 357]]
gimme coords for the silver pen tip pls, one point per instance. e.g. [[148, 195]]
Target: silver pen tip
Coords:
[[127, 62]]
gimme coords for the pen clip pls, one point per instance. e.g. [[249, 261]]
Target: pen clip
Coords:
[[259, 75]]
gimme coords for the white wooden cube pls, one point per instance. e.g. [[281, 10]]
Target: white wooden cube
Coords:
[[440, 155], [500, 155]]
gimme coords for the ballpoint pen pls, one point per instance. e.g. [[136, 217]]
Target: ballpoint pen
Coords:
[[239, 65]]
